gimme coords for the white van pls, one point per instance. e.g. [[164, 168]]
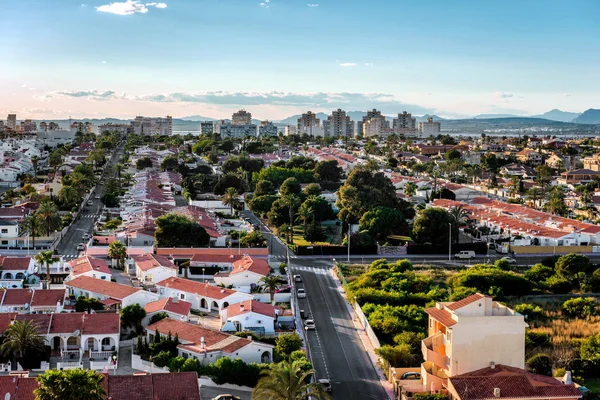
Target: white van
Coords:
[[465, 255]]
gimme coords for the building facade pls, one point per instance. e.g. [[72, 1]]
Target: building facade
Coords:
[[11, 121], [429, 128], [307, 123], [152, 126], [267, 128], [339, 125], [404, 123], [241, 117]]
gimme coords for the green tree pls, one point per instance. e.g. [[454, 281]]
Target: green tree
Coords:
[[48, 216], [175, 230], [409, 189], [287, 381], [32, 225], [227, 181], [314, 233], [328, 171], [292, 202], [113, 224], [556, 202], [75, 384], [34, 162], [312, 189], [133, 315], [118, 251], [382, 222], [264, 188], [55, 158], [452, 155], [431, 226], [581, 307], [270, 283], [459, 217], [540, 364], [143, 163], [170, 163], [21, 339], [46, 258], [253, 239], [287, 343], [111, 190], [590, 348], [319, 208], [570, 266], [231, 198], [261, 205], [97, 157], [68, 195], [290, 186]]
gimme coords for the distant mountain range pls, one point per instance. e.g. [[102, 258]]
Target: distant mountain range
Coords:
[[552, 115], [590, 116]]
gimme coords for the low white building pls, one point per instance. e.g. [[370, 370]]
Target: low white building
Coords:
[[152, 268], [91, 267], [246, 272], [9, 233], [222, 261], [249, 315], [173, 307], [207, 346], [14, 270], [106, 290], [203, 296]]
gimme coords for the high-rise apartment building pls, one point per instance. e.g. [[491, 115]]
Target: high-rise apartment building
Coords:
[[28, 126], [404, 123], [241, 117], [307, 124], [429, 128], [207, 127], [373, 124], [267, 128], [123, 129], [11, 121], [1, 126], [339, 124], [152, 126], [85, 127]]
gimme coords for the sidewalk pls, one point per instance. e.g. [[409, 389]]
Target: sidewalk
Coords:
[[364, 339]]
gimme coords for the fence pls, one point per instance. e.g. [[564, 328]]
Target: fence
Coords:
[[365, 324], [391, 250], [334, 250]]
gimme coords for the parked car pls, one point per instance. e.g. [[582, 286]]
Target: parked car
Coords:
[[297, 278], [97, 197], [287, 289], [410, 376], [326, 384], [309, 325], [301, 293], [80, 247], [90, 203], [465, 255], [509, 260], [226, 397], [85, 236]]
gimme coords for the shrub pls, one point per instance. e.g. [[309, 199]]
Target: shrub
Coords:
[[485, 278], [397, 356], [580, 307], [540, 364], [558, 285], [532, 311], [430, 396], [282, 268], [537, 339], [288, 343], [461, 292], [162, 359], [539, 273], [157, 317]]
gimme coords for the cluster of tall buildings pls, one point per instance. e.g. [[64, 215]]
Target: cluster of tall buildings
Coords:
[[11, 125], [241, 125]]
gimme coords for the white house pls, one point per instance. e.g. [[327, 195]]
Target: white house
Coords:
[[208, 346], [249, 315], [14, 269], [91, 267], [16, 300], [223, 261], [203, 296], [246, 272], [173, 307], [112, 293], [9, 233], [151, 268], [45, 301]]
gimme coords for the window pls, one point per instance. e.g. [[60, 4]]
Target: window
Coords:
[[259, 322], [5, 242], [4, 230], [103, 277], [182, 296], [431, 322]]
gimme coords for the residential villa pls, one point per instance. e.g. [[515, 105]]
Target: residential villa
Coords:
[[249, 315], [111, 294], [173, 307], [578, 176], [151, 268], [246, 272], [91, 267]]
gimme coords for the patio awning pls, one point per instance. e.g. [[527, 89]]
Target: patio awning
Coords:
[[110, 302]]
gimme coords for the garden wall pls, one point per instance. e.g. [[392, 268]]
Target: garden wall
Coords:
[[551, 249]]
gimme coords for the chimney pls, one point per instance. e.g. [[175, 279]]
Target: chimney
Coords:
[[249, 337], [568, 378], [497, 392], [175, 300], [492, 365], [241, 307]]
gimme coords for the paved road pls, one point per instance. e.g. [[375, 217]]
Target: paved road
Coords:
[[336, 350]]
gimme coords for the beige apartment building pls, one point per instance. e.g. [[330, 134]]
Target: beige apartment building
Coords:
[[469, 335], [338, 124], [405, 123], [308, 124], [429, 128], [241, 117]]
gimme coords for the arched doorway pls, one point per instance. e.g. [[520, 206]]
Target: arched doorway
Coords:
[[73, 343], [215, 305], [56, 343], [91, 344], [225, 304], [203, 303], [265, 358], [8, 275], [20, 275], [107, 344]]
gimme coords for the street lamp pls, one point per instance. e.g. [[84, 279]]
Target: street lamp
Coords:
[[449, 241], [202, 275]]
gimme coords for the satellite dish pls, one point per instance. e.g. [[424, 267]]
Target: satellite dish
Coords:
[[17, 203], [7, 396], [26, 306], [77, 332]]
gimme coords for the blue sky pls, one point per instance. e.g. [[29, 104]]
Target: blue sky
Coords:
[[276, 58]]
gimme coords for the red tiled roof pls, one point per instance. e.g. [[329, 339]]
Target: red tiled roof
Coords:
[[216, 258], [465, 302], [100, 286], [15, 263], [110, 302], [15, 297], [442, 316], [191, 334], [87, 324], [42, 321], [85, 264], [512, 382], [204, 289], [250, 306], [5, 320], [48, 298], [167, 304], [146, 262], [176, 386], [247, 263]]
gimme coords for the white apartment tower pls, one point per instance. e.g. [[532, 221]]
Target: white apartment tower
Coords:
[[241, 117], [307, 123], [11, 121], [373, 124], [152, 126], [429, 128], [404, 122], [339, 124]]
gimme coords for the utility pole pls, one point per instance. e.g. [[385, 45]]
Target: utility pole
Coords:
[[450, 241], [349, 232]]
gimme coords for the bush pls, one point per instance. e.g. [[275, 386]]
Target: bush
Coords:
[[540, 364], [532, 311], [485, 278], [288, 343], [282, 268], [157, 317], [162, 359], [537, 339], [430, 396], [580, 307], [397, 356], [538, 273]]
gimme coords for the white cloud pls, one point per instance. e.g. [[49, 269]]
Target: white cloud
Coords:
[[565, 94], [24, 85], [84, 5], [503, 95], [369, 64], [103, 62], [128, 7], [265, 5], [313, 5], [89, 94], [347, 64]]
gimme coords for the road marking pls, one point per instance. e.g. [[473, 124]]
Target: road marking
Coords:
[[318, 340]]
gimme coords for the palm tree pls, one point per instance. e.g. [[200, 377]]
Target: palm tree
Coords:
[[118, 251], [410, 189], [68, 195], [79, 182], [76, 384], [118, 169], [270, 283], [534, 194], [21, 338], [46, 258], [304, 213], [287, 381], [32, 225], [231, 198], [49, 216], [459, 216], [34, 162], [291, 201]]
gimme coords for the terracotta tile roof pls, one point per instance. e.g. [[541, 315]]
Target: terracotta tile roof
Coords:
[[167, 304], [87, 324], [204, 289], [48, 298], [216, 258], [25, 388], [85, 264], [42, 321], [465, 302], [250, 306], [5, 320], [8, 386], [512, 382], [176, 386], [16, 297], [191, 334], [442, 316], [110, 302], [15, 263], [252, 264], [146, 262], [106, 288], [130, 387]]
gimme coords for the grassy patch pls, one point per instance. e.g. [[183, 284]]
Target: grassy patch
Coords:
[[593, 384]]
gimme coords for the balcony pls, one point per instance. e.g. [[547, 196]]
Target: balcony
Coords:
[[433, 356], [434, 378]]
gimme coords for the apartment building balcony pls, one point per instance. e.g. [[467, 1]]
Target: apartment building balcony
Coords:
[[434, 378], [434, 351]]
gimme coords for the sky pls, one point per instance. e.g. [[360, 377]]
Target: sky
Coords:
[[277, 58]]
